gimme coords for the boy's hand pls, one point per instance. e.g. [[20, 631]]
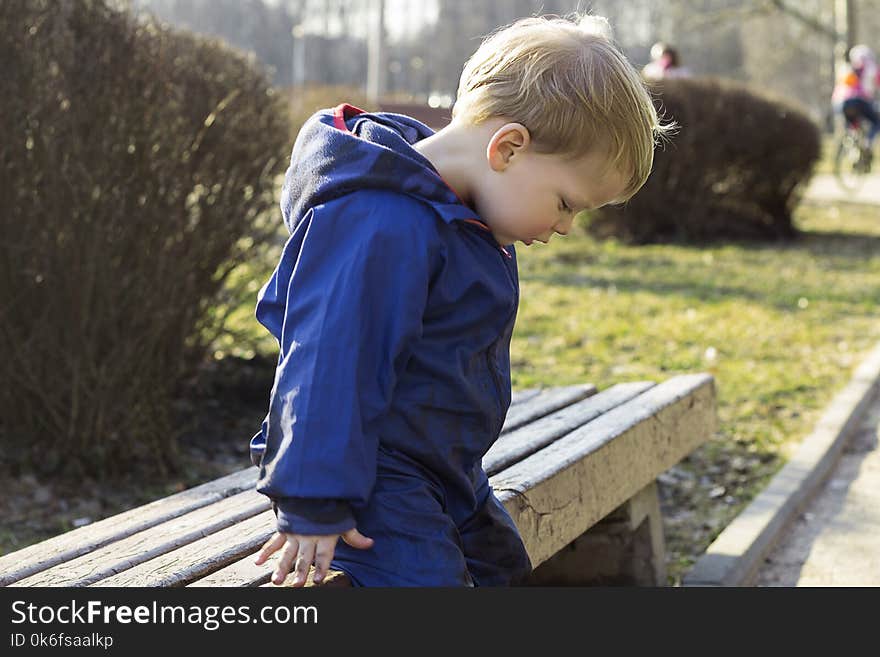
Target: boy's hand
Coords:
[[305, 550]]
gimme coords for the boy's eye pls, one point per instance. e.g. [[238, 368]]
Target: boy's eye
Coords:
[[563, 205]]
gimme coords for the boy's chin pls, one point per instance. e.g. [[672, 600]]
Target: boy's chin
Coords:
[[503, 240]]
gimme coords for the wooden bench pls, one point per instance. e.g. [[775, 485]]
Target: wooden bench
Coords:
[[576, 469]]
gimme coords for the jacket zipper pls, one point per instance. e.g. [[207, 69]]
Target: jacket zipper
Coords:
[[493, 369], [496, 429]]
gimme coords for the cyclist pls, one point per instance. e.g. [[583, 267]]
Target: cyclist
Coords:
[[854, 92]]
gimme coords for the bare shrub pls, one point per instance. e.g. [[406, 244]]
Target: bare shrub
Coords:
[[136, 169], [733, 171]]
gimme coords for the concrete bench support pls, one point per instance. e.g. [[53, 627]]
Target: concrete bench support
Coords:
[[623, 549]]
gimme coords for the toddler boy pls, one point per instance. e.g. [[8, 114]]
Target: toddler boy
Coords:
[[395, 298]]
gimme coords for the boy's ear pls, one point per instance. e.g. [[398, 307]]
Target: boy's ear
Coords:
[[508, 141]]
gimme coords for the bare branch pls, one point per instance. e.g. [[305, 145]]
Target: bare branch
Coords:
[[806, 19], [755, 8]]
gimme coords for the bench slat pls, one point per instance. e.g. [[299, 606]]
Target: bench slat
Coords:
[[199, 558], [545, 402], [40, 556], [528, 439], [558, 493], [242, 572], [143, 546], [519, 396]]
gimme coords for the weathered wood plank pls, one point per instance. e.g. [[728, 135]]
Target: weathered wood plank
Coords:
[[545, 402], [334, 579], [40, 556], [519, 396], [143, 546], [559, 492], [519, 443], [199, 558], [242, 572]]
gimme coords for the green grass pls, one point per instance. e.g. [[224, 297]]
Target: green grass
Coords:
[[780, 326]]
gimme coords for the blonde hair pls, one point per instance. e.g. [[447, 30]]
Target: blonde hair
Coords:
[[567, 82]]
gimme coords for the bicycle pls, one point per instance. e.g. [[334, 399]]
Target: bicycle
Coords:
[[852, 157]]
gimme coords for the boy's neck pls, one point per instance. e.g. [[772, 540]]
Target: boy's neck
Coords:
[[457, 151]]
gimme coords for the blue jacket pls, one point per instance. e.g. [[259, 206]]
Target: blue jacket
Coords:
[[393, 307]]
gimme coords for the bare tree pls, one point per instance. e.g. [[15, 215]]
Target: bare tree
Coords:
[[251, 25], [787, 46], [376, 65]]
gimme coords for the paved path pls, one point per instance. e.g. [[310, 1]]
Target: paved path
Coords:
[[835, 541], [824, 187]]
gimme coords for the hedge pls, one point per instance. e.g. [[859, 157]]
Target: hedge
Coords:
[[137, 167], [733, 171]]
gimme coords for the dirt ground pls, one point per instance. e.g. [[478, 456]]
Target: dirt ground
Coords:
[[227, 406], [699, 496]]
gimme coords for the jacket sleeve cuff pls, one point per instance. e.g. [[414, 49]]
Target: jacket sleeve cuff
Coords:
[[258, 447], [300, 515]]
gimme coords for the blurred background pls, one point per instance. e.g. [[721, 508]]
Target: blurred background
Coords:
[[787, 46]]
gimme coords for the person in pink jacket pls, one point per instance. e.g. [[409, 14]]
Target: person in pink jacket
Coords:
[[665, 63], [856, 88]]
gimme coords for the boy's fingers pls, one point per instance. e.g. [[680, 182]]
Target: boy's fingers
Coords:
[[303, 560], [269, 547], [357, 540], [323, 557], [285, 562]]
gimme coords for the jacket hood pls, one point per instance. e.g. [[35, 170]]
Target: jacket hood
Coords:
[[344, 149]]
